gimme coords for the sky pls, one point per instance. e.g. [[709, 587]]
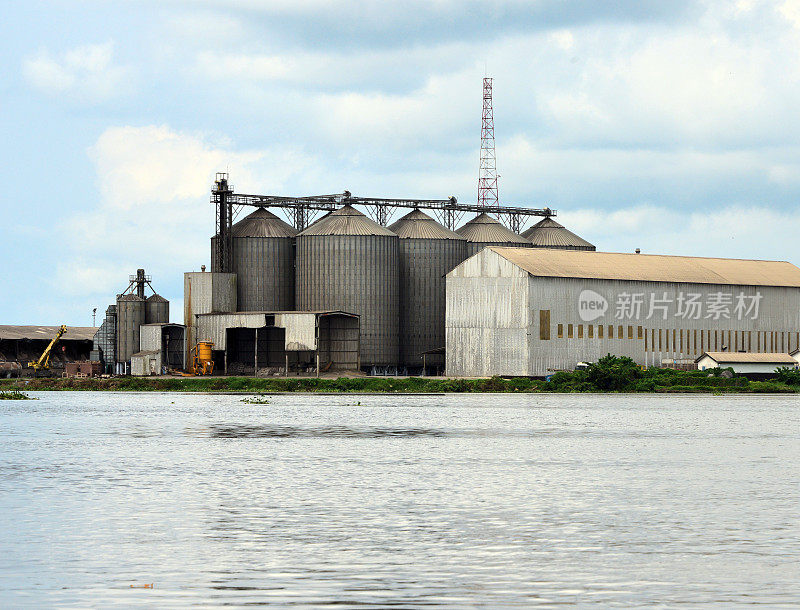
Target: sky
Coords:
[[666, 125]]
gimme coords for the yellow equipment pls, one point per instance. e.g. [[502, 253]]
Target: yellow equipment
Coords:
[[202, 360], [44, 360]]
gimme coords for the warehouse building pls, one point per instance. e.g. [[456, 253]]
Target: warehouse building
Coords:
[[515, 311]]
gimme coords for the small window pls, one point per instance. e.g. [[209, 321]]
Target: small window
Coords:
[[580, 331], [639, 332], [544, 324], [570, 331], [660, 338], [590, 330], [610, 332], [620, 335], [630, 332], [560, 331], [600, 328]]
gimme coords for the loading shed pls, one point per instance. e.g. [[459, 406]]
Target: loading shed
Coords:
[[281, 342]]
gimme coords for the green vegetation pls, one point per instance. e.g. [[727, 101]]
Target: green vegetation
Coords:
[[14, 395], [615, 374], [609, 374]]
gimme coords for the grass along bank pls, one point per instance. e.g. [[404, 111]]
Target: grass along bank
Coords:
[[609, 374]]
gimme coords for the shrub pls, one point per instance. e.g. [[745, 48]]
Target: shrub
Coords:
[[612, 373]]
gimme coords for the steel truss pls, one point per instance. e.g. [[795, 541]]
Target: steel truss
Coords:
[[304, 210]]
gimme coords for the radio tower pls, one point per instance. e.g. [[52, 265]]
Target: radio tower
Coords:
[[487, 176]]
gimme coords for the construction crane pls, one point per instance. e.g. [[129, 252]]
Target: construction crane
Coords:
[[44, 360]]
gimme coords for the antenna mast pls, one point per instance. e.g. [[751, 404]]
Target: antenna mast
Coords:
[[487, 176]]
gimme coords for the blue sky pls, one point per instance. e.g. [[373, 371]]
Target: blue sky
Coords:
[[669, 126]]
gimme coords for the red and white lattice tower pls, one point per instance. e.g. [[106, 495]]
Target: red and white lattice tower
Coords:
[[487, 176]]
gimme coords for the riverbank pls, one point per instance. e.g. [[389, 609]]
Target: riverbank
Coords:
[[661, 382]]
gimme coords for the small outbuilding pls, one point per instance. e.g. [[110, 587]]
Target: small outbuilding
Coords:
[[745, 362]]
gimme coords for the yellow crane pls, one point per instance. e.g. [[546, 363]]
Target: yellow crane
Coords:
[[44, 360]]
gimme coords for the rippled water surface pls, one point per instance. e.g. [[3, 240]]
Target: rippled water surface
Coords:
[[399, 501]]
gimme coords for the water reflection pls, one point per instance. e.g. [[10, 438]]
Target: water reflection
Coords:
[[273, 431]]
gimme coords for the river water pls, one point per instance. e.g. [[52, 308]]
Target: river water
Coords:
[[399, 501]]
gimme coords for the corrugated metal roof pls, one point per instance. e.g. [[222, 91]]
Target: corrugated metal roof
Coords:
[[651, 267], [484, 228], [74, 333], [346, 221], [262, 223], [747, 357], [130, 297], [418, 225], [157, 298], [547, 233]]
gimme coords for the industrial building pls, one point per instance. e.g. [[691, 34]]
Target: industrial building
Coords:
[[20, 345], [118, 342], [524, 311]]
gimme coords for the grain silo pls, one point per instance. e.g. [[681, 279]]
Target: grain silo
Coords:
[[130, 316], [547, 233], [263, 261], [428, 252], [348, 262], [156, 310], [483, 231]]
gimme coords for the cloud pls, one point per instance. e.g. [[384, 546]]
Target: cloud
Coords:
[[154, 210], [86, 73], [729, 232]]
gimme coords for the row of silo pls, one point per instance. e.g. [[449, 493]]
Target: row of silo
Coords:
[[392, 277]]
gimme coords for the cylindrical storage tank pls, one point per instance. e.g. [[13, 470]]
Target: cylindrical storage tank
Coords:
[[348, 262], [547, 233], [156, 310], [483, 231], [428, 252], [263, 261], [130, 316]]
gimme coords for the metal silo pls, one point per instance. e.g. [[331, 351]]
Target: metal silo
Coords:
[[347, 262], [263, 260], [428, 252], [483, 230], [547, 233], [156, 309], [130, 316]]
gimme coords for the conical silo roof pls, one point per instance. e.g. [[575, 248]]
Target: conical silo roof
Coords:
[[484, 228], [156, 298], [547, 233], [418, 225], [262, 223], [346, 221]]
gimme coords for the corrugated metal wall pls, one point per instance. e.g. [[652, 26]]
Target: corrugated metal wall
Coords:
[[423, 266], [130, 316], [357, 274], [156, 310], [265, 273]]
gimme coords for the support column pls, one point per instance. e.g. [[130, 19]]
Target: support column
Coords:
[[255, 356], [286, 370], [317, 363]]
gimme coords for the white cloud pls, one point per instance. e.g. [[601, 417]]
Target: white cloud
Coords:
[[154, 210], [728, 232], [87, 73]]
